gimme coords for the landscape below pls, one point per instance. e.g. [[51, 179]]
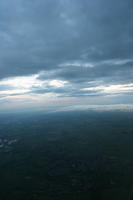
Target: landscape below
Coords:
[[67, 155]]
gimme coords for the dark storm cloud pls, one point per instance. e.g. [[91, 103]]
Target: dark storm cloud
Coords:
[[51, 35]]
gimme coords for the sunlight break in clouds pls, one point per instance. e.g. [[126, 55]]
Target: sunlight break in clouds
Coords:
[[22, 82], [26, 84], [57, 83], [112, 89]]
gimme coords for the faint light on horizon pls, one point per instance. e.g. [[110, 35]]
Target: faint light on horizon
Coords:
[[14, 92], [112, 89]]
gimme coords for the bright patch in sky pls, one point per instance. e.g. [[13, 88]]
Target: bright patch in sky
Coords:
[[57, 83], [77, 64], [14, 92], [25, 84], [22, 82], [112, 88]]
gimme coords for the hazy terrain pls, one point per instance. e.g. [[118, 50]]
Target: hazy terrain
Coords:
[[66, 155]]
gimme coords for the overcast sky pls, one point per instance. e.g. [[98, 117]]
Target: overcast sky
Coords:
[[56, 53]]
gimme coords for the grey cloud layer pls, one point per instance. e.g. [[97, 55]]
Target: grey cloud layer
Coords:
[[46, 35]]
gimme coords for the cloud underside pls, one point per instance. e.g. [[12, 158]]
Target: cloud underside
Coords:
[[66, 49]]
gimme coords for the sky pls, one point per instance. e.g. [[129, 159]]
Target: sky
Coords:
[[59, 53]]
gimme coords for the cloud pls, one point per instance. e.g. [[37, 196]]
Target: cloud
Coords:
[[61, 47]]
